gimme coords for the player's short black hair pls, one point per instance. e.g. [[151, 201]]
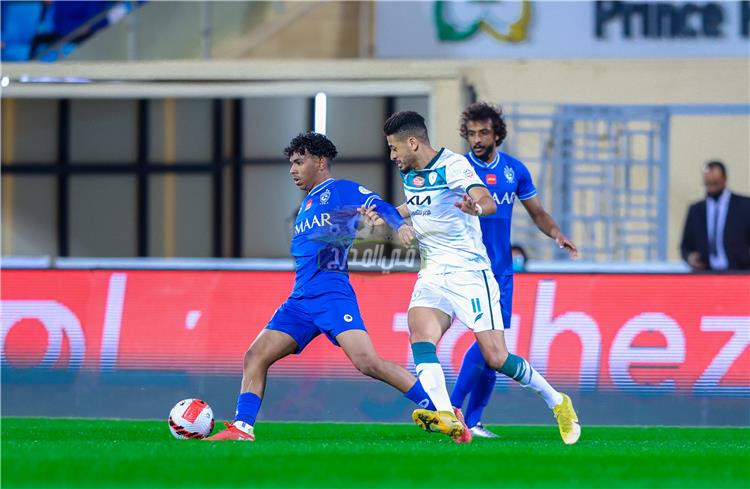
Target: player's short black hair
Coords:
[[713, 164], [312, 143], [482, 111], [406, 123]]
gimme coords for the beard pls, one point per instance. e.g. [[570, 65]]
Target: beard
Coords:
[[484, 153], [409, 163]]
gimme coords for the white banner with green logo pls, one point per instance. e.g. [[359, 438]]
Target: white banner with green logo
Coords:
[[562, 29]]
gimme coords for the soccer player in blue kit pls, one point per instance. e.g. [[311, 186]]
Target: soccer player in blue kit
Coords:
[[506, 178], [322, 300]]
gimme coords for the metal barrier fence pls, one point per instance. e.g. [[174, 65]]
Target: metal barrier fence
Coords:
[[603, 172]]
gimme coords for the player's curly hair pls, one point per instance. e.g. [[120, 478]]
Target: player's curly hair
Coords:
[[312, 143], [482, 111]]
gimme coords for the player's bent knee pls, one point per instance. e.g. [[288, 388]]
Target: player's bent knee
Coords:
[[249, 358], [254, 359], [495, 360], [369, 366]]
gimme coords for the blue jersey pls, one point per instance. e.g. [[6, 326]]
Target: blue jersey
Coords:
[[324, 231], [506, 178]]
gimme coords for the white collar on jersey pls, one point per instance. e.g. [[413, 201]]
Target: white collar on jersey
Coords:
[[479, 162], [319, 186]]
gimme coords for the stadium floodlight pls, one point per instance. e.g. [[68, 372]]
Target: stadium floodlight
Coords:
[[320, 112]]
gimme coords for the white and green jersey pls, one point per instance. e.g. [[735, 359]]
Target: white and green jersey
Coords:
[[449, 239]]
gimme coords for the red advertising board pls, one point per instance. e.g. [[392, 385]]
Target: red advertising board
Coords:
[[685, 333]]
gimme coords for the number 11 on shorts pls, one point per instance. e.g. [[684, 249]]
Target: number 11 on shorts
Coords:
[[476, 306]]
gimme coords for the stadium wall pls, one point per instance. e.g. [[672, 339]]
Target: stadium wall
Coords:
[[675, 82], [631, 349]]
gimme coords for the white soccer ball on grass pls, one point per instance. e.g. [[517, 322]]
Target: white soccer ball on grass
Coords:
[[191, 419]]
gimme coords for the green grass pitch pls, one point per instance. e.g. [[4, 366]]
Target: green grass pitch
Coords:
[[82, 453]]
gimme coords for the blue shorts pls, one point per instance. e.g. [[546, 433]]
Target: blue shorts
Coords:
[[304, 319], [505, 282]]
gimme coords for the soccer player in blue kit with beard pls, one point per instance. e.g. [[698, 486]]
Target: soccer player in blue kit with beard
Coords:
[[322, 300], [506, 178]]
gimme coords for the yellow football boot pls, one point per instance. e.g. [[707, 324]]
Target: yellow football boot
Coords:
[[567, 420], [444, 422]]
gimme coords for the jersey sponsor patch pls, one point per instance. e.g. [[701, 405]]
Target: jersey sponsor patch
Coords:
[[432, 178], [418, 182], [491, 179], [308, 205], [508, 198], [417, 200], [317, 221], [468, 172]]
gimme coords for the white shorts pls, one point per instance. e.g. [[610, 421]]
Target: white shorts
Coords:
[[472, 296]]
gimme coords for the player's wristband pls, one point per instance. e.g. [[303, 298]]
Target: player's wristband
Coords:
[[397, 222], [393, 219], [478, 208]]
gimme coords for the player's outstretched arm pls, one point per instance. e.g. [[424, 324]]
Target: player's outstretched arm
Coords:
[[477, 202], [548, 226]]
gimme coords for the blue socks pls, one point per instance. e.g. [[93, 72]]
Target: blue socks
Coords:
[[471, 369], [248, 405], [480, 396], [477, 378], [418, 395]]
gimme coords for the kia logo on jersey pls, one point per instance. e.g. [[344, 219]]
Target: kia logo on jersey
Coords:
[[491, 179], [418, 181]]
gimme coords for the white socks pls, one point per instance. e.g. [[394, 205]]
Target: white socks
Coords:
[[242, 426], [518, 369], [433, 380], [539, 386]]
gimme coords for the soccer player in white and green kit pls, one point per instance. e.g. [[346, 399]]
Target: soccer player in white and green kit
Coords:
[[444, 196]]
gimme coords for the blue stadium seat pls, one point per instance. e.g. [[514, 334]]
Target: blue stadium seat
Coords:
[[19, 26]]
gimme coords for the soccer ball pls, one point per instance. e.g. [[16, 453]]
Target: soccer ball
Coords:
[[191, 419]]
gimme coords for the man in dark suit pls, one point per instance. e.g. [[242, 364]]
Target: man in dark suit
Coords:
[[717, 229]]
